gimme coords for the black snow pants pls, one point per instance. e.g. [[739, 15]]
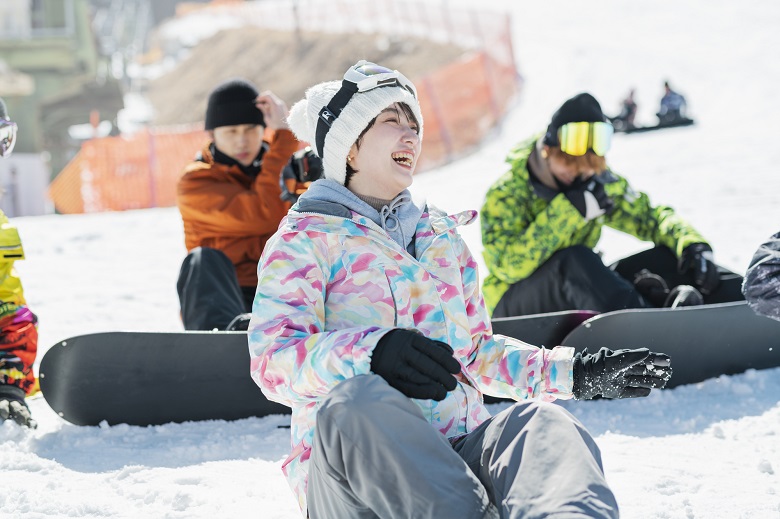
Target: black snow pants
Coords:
[[209, 292], [575, 278]]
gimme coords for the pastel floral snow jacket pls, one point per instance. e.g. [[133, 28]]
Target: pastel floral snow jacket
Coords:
[[330, 287]]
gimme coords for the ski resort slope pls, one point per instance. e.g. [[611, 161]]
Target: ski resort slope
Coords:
[[710, 450]]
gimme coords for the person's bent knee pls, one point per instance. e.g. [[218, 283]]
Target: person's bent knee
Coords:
[[363, 390], [522, 413], [201, 254], [364, 402], [550, 411], [198, 255], [206, 259], [580, 264]]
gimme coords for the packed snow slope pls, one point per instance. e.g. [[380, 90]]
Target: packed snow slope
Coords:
[[710, 450]]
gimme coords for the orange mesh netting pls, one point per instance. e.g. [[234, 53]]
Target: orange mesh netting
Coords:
[[118, 173]]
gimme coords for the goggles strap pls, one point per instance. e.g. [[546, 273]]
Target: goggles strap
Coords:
[[331, 112]]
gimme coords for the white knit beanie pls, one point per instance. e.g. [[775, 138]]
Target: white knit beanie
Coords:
[[361, 109]]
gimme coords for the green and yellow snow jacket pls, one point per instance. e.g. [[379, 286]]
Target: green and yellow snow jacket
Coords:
[[521, 230]]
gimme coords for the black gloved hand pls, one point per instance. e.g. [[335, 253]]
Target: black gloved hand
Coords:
[[12, 407], [619, 373], [303, 168], [698, 258], [589, 197], [415, 365]]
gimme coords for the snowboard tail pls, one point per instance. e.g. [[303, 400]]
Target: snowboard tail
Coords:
[[547, 330], [141, 378]]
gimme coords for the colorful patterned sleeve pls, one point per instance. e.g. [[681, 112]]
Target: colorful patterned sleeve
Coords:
[[516, 242], [293, 357], [508, 368], [505, 367]]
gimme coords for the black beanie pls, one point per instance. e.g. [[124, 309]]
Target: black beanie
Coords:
[[232, 103], [580, 108]]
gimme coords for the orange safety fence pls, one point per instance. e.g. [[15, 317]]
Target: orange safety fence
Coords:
[[119, 173], [460, 102]]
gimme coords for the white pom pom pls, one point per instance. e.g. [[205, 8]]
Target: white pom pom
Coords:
[[299, 122]]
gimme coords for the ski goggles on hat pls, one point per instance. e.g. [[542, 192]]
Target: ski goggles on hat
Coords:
[[368, 76], [7, 137], [361, 77], [578, 138]]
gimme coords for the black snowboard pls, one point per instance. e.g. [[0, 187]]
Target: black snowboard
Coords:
[[703, 341], [542, 329], [141, 378]]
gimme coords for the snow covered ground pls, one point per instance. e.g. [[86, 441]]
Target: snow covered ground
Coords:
[[711, 450]]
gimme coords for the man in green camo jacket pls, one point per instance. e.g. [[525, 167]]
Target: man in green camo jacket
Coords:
[[542, 219]]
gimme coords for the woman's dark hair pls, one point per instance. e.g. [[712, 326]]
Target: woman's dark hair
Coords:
[[409, 115]]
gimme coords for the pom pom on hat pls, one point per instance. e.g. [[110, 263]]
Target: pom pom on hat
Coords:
[[361, 109]]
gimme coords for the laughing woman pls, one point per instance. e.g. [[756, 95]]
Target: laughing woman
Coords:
[[368, 321]]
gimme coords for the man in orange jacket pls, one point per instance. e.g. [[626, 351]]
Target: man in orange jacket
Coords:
[[231, 203]]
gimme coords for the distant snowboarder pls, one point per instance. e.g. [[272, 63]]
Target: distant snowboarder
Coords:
[[628, 108], [673, 106]]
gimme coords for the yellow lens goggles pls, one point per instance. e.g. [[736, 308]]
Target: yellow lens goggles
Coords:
[[577, 138]]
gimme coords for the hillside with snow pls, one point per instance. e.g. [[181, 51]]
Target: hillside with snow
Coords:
[[710, 450]]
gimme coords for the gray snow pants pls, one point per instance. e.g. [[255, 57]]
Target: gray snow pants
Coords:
[[376, 456]]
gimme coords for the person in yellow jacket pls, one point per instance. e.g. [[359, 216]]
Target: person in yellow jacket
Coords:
[[230, 199], [18, 332], [542, 219]]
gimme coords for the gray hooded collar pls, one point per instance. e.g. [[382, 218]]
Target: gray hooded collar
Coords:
[[398, 219]]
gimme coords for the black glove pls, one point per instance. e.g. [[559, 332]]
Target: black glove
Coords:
[[620, 373], [11, 408], [303, 168], [415, 365], [589, 197], [698, 258]]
